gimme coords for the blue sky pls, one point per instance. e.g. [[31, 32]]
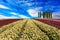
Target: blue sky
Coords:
[[28, 8]]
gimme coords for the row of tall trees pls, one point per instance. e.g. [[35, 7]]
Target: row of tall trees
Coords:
[[46, 14]]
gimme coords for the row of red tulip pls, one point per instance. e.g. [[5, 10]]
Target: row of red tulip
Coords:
[[51, 22]]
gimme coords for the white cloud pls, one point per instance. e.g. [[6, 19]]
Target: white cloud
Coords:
[[21, 1], [28, 4], [38, 8], [13, 13], [6, 17], [22, 16], [2, 6], [33, 12], [25, 2], [56, 15]]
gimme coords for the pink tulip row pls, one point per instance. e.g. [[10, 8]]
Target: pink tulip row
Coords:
[[50, 22]]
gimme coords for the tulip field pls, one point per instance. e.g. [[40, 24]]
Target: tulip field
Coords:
[[29, 29]]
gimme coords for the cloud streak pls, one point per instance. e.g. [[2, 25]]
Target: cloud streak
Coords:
[[4, 7], [6, 17]]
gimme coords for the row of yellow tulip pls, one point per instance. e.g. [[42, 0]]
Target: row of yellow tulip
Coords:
[[13, 32], [52, 32], [8, 26], [32, 32]]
